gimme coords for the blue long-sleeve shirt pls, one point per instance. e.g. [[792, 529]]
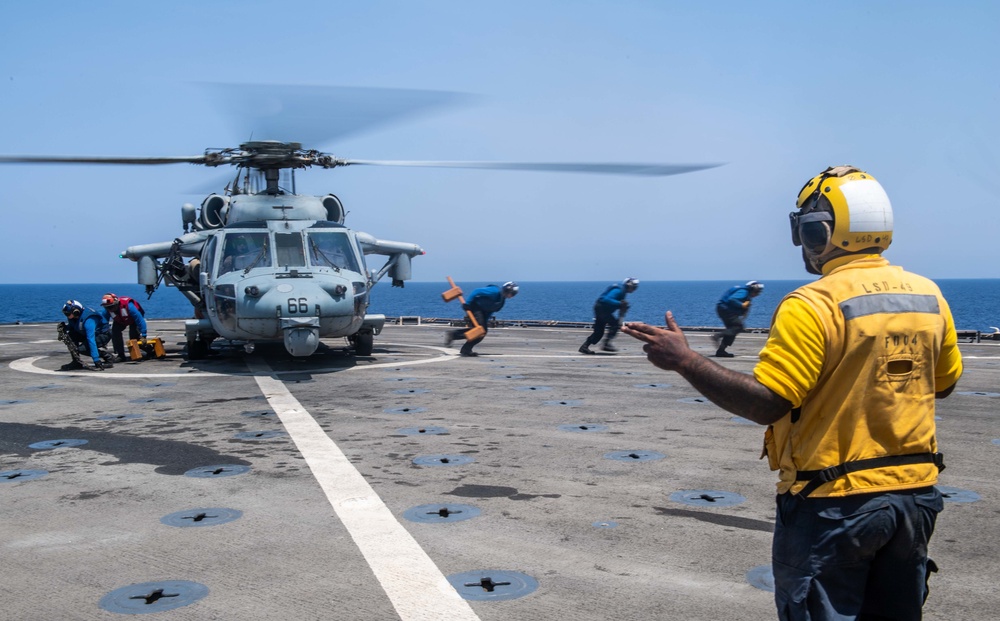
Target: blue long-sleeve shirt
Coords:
[[612, 298], [87, 326], [487, 300], [733, 299]]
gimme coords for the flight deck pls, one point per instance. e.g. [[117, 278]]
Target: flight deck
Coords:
[[530, 482]]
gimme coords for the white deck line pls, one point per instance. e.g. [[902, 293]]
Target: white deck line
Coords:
[[414, 584], [27, 365]]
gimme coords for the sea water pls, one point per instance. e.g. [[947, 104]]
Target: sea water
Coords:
[[975, 303]]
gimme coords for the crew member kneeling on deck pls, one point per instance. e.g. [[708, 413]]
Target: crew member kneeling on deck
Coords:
[[846, 384], [123, 313], [85, 331]]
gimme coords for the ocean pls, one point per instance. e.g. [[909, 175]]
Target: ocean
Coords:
[[975, 303]]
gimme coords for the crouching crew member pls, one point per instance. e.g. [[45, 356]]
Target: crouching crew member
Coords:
[[86, 331], [482, 304], [733, 308], [123, 312], [613, 299]]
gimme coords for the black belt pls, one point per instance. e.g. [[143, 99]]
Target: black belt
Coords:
[[819, 477]]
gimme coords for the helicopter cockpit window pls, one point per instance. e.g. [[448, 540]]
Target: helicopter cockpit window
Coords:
[[208, 255], [242, 251], [329, 249], [288, 247]]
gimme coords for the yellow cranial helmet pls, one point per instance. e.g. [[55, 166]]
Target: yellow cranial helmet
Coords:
[[841, 210]]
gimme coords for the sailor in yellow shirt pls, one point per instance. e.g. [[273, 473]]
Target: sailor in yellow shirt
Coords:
[[846, 384]]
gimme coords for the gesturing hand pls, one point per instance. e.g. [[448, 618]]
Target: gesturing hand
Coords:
[[667, 349]]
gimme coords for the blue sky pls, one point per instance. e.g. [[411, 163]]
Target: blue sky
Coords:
[[906, 90]]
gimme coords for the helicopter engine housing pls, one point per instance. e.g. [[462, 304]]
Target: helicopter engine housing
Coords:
[[334, 209], [263, 207], [213, 211]]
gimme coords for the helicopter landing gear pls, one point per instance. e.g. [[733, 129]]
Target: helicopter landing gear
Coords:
[[364, 343], [197, 348]]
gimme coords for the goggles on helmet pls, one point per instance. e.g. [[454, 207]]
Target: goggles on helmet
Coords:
[[72, 307], [806, 229]]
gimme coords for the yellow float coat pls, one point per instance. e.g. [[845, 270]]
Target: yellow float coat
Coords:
[[860, 354]]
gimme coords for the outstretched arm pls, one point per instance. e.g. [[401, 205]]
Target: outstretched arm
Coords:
[[735, 392]]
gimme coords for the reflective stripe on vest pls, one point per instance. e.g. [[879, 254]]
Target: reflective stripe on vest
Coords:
[[889, 303]]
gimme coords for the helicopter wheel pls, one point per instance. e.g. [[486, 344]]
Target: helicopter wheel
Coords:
[[364, 343], [197, 349]]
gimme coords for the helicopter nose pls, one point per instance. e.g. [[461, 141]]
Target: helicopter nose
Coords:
[[309, 311], [301, 337]]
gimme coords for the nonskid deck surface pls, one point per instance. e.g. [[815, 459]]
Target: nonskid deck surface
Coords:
[[598, 487]]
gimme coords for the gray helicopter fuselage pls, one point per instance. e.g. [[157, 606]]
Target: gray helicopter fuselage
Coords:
[[275, 268], [263, 280]]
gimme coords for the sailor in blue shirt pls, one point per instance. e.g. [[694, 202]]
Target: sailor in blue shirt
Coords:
[[613, 299], [482, 303], [732, 308], [86, 331]]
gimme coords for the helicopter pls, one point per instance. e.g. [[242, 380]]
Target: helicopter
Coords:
[[260, 263]]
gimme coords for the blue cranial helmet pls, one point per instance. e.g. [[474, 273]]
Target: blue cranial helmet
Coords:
[[72, 307]]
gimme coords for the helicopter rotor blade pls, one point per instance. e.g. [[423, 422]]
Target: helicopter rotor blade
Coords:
[[73, 159], [638, 169], [319, 114]]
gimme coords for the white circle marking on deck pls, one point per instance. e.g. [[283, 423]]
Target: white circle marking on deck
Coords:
[[27, 365]]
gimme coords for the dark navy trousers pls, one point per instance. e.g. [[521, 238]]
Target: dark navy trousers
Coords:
[[854, 557]]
